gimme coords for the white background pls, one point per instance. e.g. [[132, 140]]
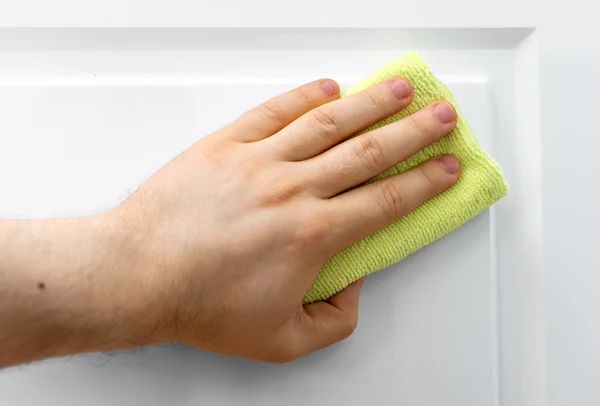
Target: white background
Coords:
[[559, 361]]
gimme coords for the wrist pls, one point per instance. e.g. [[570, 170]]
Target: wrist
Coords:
[[145, 306], [107, 288]]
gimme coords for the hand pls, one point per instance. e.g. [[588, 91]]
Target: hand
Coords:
[[219, 247], [233, 231]]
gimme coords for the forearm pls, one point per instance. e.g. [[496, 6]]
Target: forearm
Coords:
[[66, 286]]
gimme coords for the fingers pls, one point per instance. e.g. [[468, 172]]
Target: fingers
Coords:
[[331, 123], [326, 323], [276, 113], [361, 158], [367, 209]]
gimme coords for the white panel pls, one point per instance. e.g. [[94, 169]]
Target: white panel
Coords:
[[82, 128]]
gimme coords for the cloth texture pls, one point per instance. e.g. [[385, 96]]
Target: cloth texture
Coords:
[[480, 185]]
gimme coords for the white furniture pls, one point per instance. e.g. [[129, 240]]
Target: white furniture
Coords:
[[477, 318]]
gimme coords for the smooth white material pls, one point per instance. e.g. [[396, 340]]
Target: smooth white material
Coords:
[[102, 121], [547, 303]]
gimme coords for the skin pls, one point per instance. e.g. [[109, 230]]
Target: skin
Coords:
[[218, 248]]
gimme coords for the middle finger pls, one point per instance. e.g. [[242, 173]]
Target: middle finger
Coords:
[[361, 158]]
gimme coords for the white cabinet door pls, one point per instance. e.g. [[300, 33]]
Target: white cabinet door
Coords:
[[86, 114]]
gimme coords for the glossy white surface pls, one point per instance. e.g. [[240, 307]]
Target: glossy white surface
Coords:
[[562, 345], [83, 127]]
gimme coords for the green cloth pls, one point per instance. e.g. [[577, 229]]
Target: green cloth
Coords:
[[480, 185]]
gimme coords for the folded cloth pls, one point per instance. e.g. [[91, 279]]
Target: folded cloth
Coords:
[[480, 185]]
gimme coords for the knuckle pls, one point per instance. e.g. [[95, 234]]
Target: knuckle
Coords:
[[327, 121], [371, 152], [392, 198], [349, 327], [281, 356], [428, 179], [303, 96], [312, 230], [372, 99], [274, 112], [418, 124], [278, 195]]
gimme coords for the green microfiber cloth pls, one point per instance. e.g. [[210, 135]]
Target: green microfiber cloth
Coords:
[[480, 185]]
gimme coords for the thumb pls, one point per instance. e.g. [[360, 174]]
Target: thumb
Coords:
[[333, 320]]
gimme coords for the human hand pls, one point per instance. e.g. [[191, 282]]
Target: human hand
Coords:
[[230, 235]]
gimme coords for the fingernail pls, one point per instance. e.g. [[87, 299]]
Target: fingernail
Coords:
[[450, 164], [329, 87], [445, 112], [401, 88]]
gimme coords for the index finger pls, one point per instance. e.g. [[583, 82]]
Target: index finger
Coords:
[[273, 115]]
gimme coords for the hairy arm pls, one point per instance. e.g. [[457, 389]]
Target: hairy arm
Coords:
[[65, 287]]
